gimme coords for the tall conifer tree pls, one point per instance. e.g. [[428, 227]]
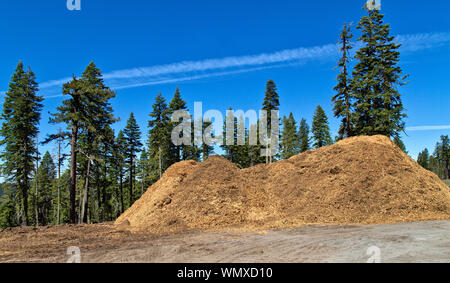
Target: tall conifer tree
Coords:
[[303, 136], [159, 135], [342, 100], [120, 167], [143, 170], [271, 102], [133, 146], [378, 108], [87, 111], [21, 115], [176, 104], [320, 128]]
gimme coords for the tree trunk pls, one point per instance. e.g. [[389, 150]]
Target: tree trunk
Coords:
[[86, 191], [99, 197], [59, 205], [73, 173], [122, 206], [117, 199], [348, 121], [59, 179], [25, 206], [36, 210], [131, 181], [105, 197], [80, 203]]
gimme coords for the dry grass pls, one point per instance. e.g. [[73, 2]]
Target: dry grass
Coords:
[[361, 180]]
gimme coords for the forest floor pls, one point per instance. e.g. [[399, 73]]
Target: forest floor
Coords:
[[404, 242], [447, 182]]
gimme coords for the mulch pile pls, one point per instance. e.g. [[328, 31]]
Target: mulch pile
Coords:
[[360, 180]]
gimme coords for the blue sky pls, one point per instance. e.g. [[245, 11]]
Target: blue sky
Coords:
[[222, 53]]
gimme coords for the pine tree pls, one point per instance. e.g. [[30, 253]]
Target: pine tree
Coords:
[[87, 111], [99, 108], [133, 146], [96, 138], [289, 138], [159, 133], [303, 136], [119, 167], [378, 108], [342, 100], [60, 159], [21, 115], [46, 179], [271, 98], [271, 102], [176, 104], [424, 159], [143, 171], [320, 128], [72, 112]]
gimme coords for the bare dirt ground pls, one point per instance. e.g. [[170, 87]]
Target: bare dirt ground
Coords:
[[405, 242]]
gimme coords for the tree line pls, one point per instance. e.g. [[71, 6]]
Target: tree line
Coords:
[[108, 171], [439, 160]]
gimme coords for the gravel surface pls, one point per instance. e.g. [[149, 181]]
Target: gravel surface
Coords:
[[405, 242]]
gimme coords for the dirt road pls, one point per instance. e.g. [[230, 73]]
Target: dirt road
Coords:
[[405, 242]]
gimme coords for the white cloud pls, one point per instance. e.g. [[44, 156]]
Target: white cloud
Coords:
[[54, 83], [191, 78], [416, 42], [228, 62], [191, 70], [428, 128]]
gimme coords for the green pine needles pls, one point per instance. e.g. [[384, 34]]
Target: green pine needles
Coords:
[[369, 102]]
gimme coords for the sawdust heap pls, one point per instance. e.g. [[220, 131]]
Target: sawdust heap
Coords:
[[361, 180]]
